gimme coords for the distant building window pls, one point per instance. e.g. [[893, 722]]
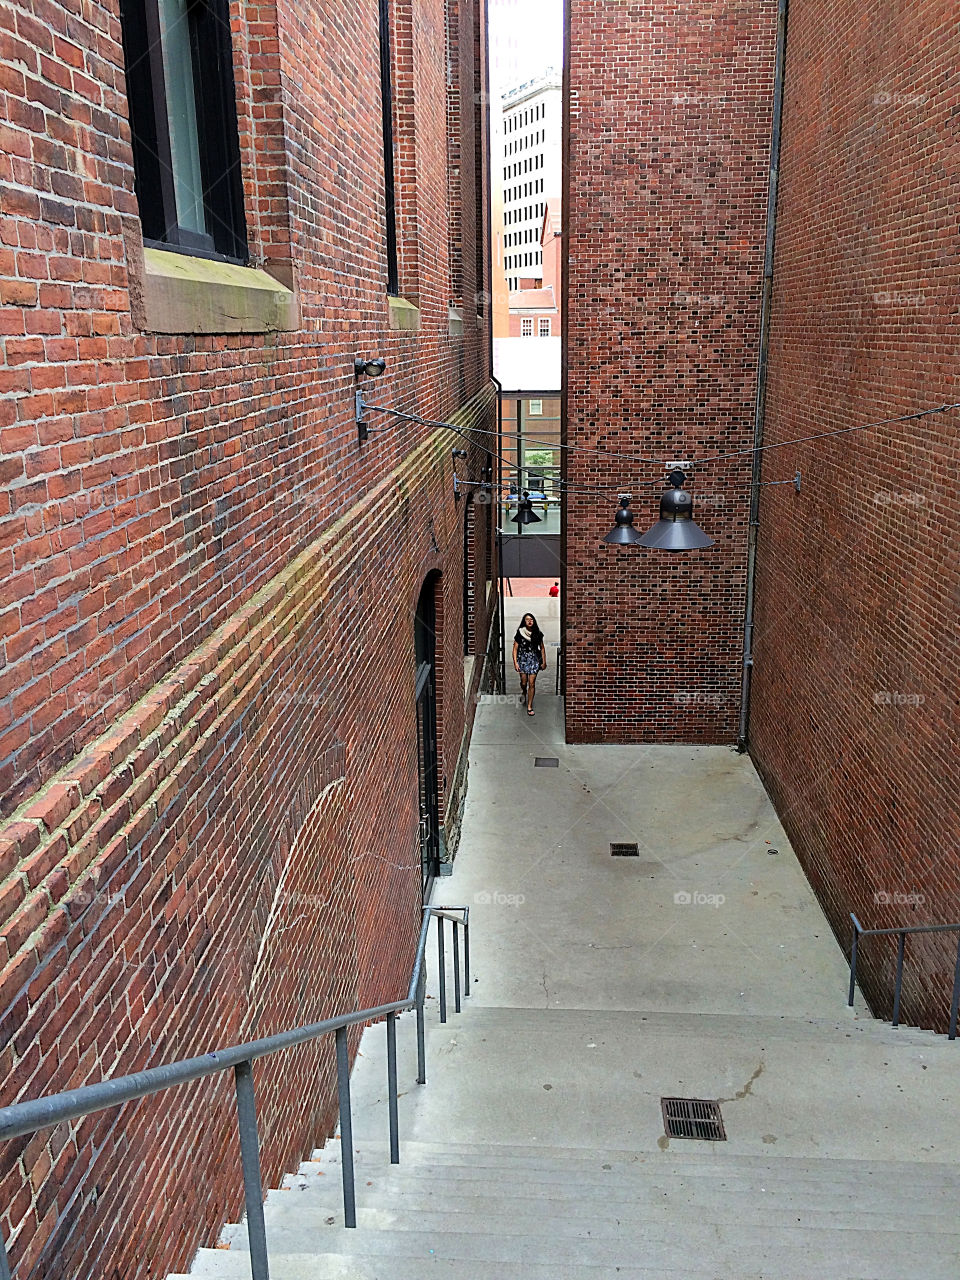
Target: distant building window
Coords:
[[526, 327], [536, 408], [544, 326], [183, 120]]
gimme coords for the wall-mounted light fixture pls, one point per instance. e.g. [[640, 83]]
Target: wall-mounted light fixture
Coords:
[[364, 368]]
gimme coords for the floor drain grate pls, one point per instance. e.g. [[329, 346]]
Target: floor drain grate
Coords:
[[693, 1118], [624, 851], [546, 762]]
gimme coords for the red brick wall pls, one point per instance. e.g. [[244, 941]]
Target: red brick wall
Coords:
[[667, 141], [207, 587], [854, 710]]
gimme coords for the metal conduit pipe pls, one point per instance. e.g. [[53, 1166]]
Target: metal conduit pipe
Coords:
[[498, 539], [760, 405]]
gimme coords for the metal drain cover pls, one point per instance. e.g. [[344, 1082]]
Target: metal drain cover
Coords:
[[546, 762], [624, 851], [693, 1118]]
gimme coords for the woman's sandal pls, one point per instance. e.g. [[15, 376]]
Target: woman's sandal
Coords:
[[530, 711]]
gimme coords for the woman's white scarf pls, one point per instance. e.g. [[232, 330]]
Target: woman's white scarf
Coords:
[[526, 633]]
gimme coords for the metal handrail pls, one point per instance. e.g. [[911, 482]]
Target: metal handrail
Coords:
[[859, 931], [41, 1113]]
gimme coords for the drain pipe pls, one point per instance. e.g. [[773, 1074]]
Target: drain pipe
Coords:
[[759, 408], [496, 495]]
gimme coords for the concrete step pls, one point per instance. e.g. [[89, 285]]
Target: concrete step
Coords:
[[332, 1266], [288, 1224], [758, 1204], [683, 1156], [917, 1181], [692, 1250], [848, 1025], [704, 1193]]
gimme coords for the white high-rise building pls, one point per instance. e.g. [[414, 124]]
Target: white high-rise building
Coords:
[[530, 171]]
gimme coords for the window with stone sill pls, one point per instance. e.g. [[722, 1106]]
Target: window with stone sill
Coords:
[[178, 61]]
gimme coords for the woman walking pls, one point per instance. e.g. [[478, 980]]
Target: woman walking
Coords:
[[529, 657]]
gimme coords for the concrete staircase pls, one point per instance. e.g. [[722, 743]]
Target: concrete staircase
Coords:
[[844, 1188], [537, 1149]]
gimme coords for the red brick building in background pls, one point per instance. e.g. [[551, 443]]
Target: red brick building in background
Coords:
[[214, 597], [667, 155], [854, 713]]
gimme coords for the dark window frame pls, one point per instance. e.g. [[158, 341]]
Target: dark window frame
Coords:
[[217, 130], [389, 168]]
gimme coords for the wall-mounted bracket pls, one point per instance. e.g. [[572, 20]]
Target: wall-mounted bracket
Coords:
[[362, 431]]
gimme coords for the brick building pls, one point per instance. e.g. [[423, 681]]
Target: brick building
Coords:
[[667, 154], [858, 577], [853, 709], [214, 596]]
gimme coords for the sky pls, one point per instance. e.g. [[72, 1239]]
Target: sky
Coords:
[[526, 37]]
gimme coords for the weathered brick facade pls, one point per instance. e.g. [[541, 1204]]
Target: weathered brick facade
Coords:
[[667, 156], [854, 712], [207, 737], [854, 717]]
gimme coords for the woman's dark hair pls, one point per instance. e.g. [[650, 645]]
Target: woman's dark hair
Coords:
[[536, 635]]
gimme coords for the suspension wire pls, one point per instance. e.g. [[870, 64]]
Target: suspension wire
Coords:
[[563, 486], [696, 462], [823, 435], [512, 435]]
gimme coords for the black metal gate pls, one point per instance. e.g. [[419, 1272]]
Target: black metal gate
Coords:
[[427, 776], [428, 779]]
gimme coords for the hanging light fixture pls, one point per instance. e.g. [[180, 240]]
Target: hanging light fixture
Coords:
[[676, 529], [525, 512], [623, 534]]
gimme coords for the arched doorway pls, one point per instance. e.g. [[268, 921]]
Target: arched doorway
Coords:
[[428, 774]]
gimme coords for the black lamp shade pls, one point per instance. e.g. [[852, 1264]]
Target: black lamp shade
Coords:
[[525, 512], [623, 533], [676, 530]]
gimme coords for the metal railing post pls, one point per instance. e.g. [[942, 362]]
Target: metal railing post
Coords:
[[901, 943], [955, 1002], [392, 1088], [421, 1037], [466, 955], [4, 1264], [250, 1162], [346, 1129], [853, 963], [456, 966], [443, 970]]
